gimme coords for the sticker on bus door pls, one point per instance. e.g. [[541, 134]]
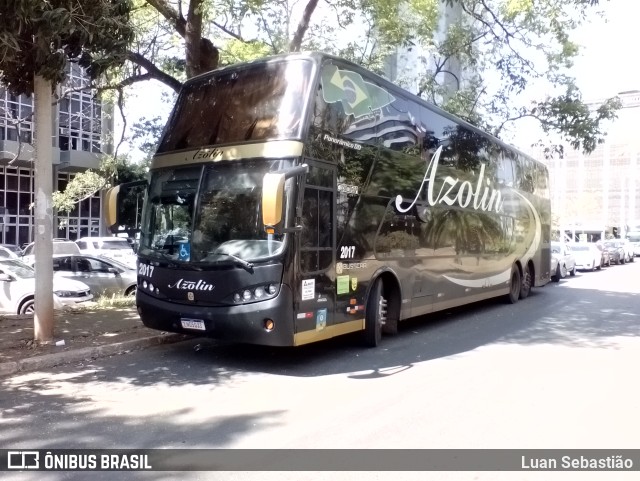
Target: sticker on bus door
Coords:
[[321, 319], [308, 289]]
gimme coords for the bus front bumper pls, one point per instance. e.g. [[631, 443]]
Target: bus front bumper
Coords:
[[241, 323]]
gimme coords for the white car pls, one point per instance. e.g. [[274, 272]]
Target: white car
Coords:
[[60, 246], [588, 256], [629, 250], [562, 261], [116, 248], [18, 285]]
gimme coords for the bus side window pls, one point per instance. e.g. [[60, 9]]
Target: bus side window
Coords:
[[317, 214]]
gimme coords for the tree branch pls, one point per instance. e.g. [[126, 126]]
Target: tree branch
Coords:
[[154, 71], [303, 26], [229, 32], [173, 16]]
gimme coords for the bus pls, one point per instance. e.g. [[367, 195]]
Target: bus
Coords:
[[301, 197]]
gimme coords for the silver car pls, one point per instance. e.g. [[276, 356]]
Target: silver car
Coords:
[[105, 277], [18, 286], [562, 261]]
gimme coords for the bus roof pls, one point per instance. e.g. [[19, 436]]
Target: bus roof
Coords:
[[319, 57]]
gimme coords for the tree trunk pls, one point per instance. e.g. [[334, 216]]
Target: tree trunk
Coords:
[[192, 38], [43, 318]]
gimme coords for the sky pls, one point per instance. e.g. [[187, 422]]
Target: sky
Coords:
[[609, 61], [608, 64]]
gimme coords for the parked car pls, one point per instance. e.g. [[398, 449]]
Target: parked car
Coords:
[[629, 249], [18, 285], [588, 256], [13, 248], [105, 277], [117, 248], [7, 253], [634, 238], [616, 251], [606, 258], [564, 263], [60, 246]]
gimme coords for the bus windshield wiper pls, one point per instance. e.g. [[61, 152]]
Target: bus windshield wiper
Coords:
[[248, 266], [175, 265]]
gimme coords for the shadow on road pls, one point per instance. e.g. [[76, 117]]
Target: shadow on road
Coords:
[[554, 315]]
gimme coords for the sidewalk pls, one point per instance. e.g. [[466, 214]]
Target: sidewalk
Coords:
[[87, 334]]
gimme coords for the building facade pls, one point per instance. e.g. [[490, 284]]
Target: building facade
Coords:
[[82, 131], [600, 191]]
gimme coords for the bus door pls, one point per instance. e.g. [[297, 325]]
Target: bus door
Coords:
[[315, 312]]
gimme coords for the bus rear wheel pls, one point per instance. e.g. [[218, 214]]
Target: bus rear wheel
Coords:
[[375, 315], [525, 285], [515, 286]]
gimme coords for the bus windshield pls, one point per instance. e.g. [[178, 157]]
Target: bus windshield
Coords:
[[208, 214], [260, 102]]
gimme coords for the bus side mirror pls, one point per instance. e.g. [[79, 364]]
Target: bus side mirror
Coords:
[[110, 211], [121, 205], [272, 199]]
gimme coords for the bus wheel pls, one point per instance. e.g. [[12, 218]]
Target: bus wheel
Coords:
[[525, 288], [375, 315], [514, 290]]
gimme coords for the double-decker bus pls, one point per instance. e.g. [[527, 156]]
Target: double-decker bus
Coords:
[[301, 197]]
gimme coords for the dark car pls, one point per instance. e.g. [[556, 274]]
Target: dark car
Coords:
[[605, 256], [616, 251]]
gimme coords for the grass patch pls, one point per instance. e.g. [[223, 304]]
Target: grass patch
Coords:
[[105, 302]]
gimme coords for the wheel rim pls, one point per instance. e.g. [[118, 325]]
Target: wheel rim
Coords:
[[28, 309]]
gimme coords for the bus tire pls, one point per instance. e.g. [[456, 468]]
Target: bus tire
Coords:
[[514, 286], [525, 285], [375, 315]]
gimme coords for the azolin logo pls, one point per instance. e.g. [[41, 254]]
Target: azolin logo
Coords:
[[484, 197], [199, 285]]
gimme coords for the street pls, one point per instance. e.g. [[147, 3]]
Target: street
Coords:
[[557, 370]]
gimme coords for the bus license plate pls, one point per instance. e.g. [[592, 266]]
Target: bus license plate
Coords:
[[192, 324]]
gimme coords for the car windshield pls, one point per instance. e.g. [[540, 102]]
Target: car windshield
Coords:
[[17, 268], [612, 244], [7, 254], [116, 263], [556, 248], [209, 213], [580, 248], [115, 244]]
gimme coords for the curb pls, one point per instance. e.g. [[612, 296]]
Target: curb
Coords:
[[86, 353]]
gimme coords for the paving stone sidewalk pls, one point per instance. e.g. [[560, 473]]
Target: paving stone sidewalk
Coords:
[[82, 334]]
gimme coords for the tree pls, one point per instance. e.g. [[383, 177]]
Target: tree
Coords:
[[37, 40], [480, 56]]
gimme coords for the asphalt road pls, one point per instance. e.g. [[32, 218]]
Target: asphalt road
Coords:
[[557, 370]]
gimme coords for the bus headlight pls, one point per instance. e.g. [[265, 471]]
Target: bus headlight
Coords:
[[255, 293]]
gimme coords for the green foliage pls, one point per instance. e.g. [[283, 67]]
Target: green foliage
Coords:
[[145, 135], [579, 125], [39, 37], [84, 184], [479, 58]]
